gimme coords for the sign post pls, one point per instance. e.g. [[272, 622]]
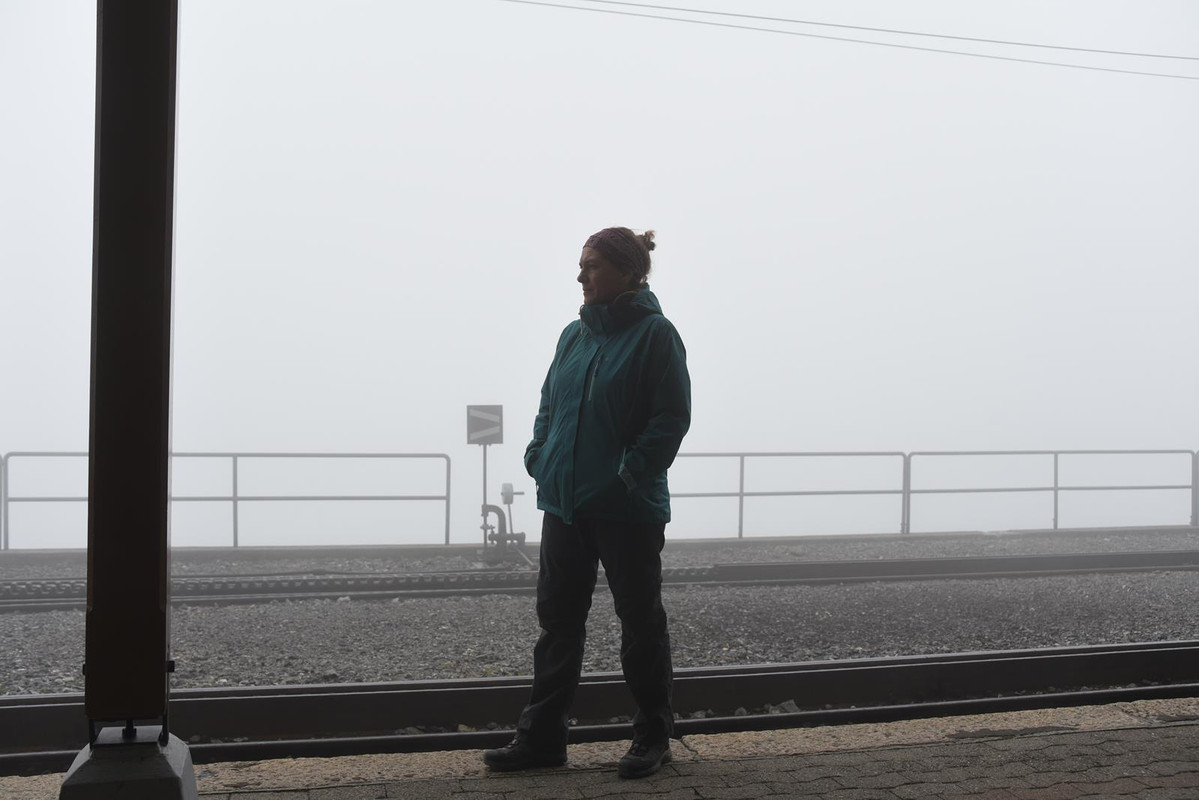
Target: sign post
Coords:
[[484, 426]]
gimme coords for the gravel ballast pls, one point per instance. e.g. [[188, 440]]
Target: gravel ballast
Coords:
[[329, 641]]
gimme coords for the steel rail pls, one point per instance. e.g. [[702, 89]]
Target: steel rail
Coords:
[[43, 733], [66, 593]]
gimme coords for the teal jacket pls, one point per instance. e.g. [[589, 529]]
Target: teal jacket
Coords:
[[614, 408]]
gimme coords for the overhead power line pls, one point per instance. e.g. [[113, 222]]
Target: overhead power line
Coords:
[[894, 45], [889, 30]]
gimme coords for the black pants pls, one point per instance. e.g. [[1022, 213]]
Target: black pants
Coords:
[[631, 555]]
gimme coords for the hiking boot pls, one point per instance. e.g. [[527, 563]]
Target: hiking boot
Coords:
[[519, 754], [644, 758]]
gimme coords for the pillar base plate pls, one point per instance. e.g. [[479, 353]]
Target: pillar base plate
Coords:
[[139, 769]]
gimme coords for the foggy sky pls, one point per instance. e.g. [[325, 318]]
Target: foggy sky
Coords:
[[380, 206]]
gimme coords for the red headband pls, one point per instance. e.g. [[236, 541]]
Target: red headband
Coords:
[[621, 250]]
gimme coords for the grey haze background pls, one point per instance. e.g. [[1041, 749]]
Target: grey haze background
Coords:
[[380, 207]]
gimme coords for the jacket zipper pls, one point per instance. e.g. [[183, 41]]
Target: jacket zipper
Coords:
[[594, 370]]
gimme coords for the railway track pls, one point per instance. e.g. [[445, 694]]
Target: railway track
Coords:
[[44, 733], [71, 593]]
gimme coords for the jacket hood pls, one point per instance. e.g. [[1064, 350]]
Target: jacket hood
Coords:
[[622, 312]]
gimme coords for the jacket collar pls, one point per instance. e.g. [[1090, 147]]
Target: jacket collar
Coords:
[[626, 309]]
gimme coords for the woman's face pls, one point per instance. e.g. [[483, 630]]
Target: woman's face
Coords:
[[601, 281]]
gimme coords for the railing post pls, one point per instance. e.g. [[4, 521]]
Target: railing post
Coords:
[[235, 536], [741, 500], [1055, 492], [447, 499], [1194, 489], [905, 511], [3, 502]]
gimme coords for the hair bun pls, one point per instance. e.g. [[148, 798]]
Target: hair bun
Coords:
[[647, 239]]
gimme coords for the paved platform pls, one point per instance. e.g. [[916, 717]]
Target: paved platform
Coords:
[[1147, 749]]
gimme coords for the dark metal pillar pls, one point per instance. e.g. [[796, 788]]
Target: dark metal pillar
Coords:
[[128, 561], [129, 454]]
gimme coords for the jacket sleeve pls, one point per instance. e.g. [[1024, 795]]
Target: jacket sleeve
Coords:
[[654, 449], [541, 425]]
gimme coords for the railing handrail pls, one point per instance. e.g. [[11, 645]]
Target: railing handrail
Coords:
[[239, 454], [234, 497], [769, 453], [1048, 452]]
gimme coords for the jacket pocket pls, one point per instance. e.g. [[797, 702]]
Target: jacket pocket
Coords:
[[531, 458]]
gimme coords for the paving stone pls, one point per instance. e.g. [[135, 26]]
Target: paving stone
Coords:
[[1113, 772], [990, 783], [921, 791], [1061, 791], [811, 788], [560, 792], [904, 764], [610, 788], [1136, 760], [884, 780], [717, 767], [664, 782], [1171, 767], [1067, 749], [793, 763], [419, 790], [1037, 779], [615, 785], [1021, 745], [370, 792], [1002, 767], [772, 775], [1134, 734], [1179, 780], [1167, 794], [808, 772], [1113, 747], [852, 758], [937, 761], [674, 794], [973, 785], [745, 792], [1114, 787], [877, 767], [860, 794], [477, 787]]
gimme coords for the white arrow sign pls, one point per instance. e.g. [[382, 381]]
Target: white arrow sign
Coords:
[[484, 424]]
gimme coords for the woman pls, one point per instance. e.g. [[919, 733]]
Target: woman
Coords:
[[614, 408]]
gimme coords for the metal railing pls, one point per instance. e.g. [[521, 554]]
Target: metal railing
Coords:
[[1057, 488], [903, 488], [235, 498], [906, 492], [741, 493]]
